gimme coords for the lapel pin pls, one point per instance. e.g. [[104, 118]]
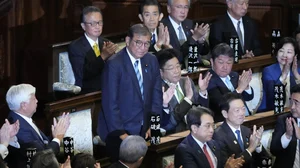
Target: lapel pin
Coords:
[[234, 142]]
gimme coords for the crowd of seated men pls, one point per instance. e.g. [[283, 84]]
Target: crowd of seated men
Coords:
[[136, 84]]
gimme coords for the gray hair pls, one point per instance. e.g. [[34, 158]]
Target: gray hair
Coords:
[[18, 94], [170, 2], [132, 149], [87, 10]]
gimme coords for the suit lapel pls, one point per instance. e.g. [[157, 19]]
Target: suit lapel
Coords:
[[245, 137]]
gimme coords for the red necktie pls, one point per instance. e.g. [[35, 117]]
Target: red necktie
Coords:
[[208, 157]]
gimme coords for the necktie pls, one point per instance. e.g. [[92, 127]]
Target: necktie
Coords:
[[96, 49], [139, 77], [229, 84], [153, 40], [208, 157], [239, 32], [180, 96], [239, 139], [181, 36]]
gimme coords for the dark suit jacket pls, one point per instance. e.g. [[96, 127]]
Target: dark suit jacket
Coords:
[[216, 90], [123, 106], [29, 138], [117, 165], [86, 66], [222, 29], [174, 121], [270, 77], [228, 143], [284, 157], [188, 154], [187, 25]]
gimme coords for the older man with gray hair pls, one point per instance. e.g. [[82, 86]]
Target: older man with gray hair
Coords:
[[22, 102], [235, 23], [132, 151]]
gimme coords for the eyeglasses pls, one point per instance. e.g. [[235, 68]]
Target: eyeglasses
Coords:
[[139, 43], [94, 24], [173, 68], [208, 126]]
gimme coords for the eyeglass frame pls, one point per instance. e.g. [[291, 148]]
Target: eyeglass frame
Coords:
[[94, 24], [139, 43]]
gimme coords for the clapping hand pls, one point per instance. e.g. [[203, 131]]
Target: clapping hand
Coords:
[[108, 49], [167, 95], [244, 80], [203, 83], [200, 32]]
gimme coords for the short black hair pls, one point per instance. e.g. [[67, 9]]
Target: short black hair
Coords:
[[286, 40], [44, 159], [295, 89], [165, 55], [87, 10], [149, 3], [194, 116], [138, 29], [83, 160], [222, 49], [228, 98]]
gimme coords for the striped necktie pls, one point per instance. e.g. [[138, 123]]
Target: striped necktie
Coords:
[[239, 32], [181, 36], [139, 77]]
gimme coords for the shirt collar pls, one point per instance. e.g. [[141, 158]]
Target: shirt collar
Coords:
[[234, 21], [174, 24], [132, 59], [233, 129], [91, 41], [199, 142], [29, 120]]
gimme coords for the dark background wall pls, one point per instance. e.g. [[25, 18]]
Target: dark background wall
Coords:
[[29, 27]]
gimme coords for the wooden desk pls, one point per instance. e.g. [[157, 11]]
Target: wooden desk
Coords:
[[169, 143]]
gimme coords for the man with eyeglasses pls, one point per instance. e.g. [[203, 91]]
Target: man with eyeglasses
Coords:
[[224, 80], [235, 23], [179, 93], [150, 14], [182, 30], [131, 91], [233, 137], [286, 135], [198, 149], [88, 53]]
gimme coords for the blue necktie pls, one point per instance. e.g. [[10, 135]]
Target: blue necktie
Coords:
[[153, 40], [139, 77], [239, 32], [240, 139], [181, 36], [229, 84]]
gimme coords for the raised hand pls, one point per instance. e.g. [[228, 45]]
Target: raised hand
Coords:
[[289, 127], [234, 163], [167, 95], [297, 129], [108, 49], [59, 128], [188, 88], [203, 83], [249, 54], [285, 71], [200, 32], [244, 80], [295, 68], [161, 35], [167, 38], [8, 131]]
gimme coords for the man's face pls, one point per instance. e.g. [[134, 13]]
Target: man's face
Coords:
[[222, 65], [298, 39], [171, 71], [236, 113], [93, 25], [205, 131], [138, 45], [30, 107], [179, 10], [151, 17], [295, 105], [238, 8]]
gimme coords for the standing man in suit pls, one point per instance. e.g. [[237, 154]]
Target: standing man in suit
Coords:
[[233, 137], [150, 14], [198, 149], [179, 92], [22, 102], [182, 30], [224, 80], [235, 23], [88, 53], [285, 138], [131, 91]]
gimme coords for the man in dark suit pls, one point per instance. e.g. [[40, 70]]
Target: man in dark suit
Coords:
[[150, 14], [131, 90], [182, 30], [179, 92], [285, 138], [198, 149], [233, 137], [132, 152], [235, 24], [224, 80], [22, 102], [88, 53]]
